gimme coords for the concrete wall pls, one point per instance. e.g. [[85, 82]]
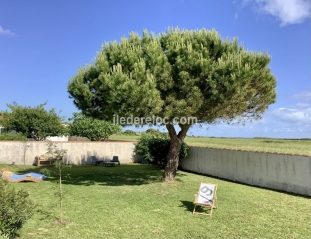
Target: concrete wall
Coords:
[[288, 173], [79, 152]]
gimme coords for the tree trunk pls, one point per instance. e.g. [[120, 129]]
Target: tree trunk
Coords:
[[174, 151], [172, 160], [60, 193]]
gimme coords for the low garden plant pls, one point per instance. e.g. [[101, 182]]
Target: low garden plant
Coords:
[[15, 209]]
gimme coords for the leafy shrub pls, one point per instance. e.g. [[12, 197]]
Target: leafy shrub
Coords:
[[15, 209], [12, 137], [129, 132], [155, 148], [152, 131], [142, 147], [93, 129], [156, 133]]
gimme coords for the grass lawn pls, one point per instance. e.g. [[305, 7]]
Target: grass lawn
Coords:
[[302, 147], [124, 137], [129, 201]]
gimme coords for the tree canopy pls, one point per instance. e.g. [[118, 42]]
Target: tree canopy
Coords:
[[35, 122], [178, 73], [93, 129]]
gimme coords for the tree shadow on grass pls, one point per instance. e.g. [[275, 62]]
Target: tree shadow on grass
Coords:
[[88, 175], [44, 214]]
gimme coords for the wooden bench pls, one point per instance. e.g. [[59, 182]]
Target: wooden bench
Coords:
[[45, 160]]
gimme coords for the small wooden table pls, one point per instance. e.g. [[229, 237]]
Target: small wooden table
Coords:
[[109, 164]]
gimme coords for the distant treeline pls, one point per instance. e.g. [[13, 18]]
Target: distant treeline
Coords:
[[282, 138]]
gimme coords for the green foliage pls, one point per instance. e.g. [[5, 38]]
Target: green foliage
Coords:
[[57, 154], [142, 147], [13, 137], [4, 236], [15, 209], [155, 148], [129, 132], [93, 129], [35, 122], [175, 74], [152, 131], [156, 132]]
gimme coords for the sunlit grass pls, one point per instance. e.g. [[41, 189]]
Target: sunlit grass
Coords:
[[301, 147], [129, 201], [124, 137], [264, 145]]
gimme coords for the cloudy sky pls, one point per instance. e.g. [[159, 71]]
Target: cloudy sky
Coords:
[[43, 43]]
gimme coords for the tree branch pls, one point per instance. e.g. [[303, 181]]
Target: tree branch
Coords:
[[171, 131], [184, 129]]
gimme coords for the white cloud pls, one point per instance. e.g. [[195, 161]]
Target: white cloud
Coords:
[[284, 130], [6, 32], [302, 105], [236, 16], [287, 11], [306, 95], [294, 115]]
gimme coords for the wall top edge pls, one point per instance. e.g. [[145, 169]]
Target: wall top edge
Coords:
[[252, 151], [67, 142]]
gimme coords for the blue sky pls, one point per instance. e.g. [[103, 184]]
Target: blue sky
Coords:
[[43, 43]]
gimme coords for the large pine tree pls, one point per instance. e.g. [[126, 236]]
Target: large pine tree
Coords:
[[175, 74]]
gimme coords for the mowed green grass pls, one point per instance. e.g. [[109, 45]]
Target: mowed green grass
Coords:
[[129, 201], [302, 147]]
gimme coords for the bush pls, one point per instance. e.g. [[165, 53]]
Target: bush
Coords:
[[129, 132], [156, 132], [12, 137], [155, 148], [152, 131], [15, 209], [93, 129]]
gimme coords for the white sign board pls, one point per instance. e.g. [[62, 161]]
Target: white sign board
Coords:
[[206, 193]]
